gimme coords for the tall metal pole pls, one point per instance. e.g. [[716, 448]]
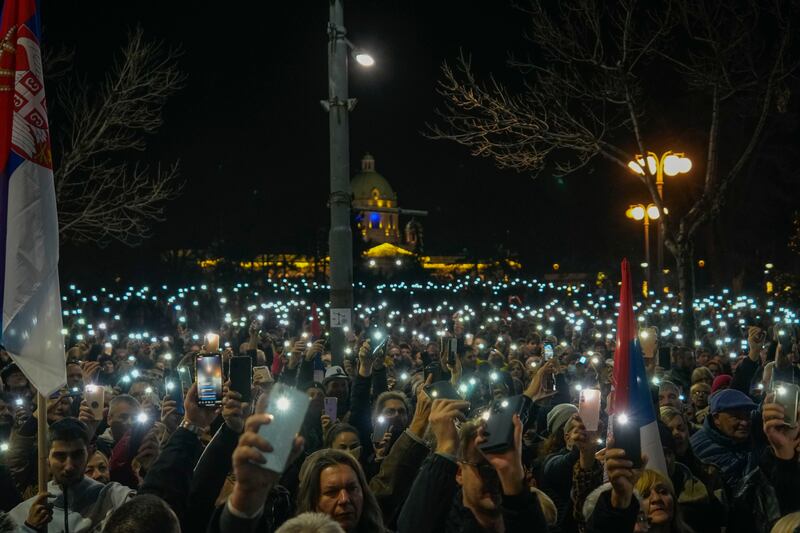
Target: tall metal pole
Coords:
[[647, 248], [340, 238], [660, 236]]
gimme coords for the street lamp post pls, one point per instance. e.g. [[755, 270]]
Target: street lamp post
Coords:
[[668, 163], [645, 214], [340, 239]]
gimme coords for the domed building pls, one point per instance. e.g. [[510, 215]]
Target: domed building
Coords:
[[371, 190]]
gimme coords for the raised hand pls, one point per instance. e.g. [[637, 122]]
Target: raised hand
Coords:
[[508, 464], [233, 409], [443, 415], [783, 438]]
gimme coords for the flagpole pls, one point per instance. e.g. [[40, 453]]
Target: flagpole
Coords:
[[41, 443]]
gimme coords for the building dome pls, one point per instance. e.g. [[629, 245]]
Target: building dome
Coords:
[[369, 185]]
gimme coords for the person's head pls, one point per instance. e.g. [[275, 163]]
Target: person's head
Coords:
[[393, 406], [15, 381], [337, 384], [721, 382], [97, 467], [516, 369], [106, 365], [68, 451], [7, 408], [145, 512], [344, 437], [480, 485], [310, 523], [713, 367], [702, 374], [683, 357], [74, 374], [332, 482], [669, 395], [658, 503], [678, 426], [138, 389], [700, 392], [316, 393], [703, 357], [470, 359], [122, 411], [731, 412]]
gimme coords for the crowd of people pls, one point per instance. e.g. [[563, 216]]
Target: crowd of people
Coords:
[[135, 445]]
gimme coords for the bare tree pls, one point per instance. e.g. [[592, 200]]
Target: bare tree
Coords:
[[594, 78], [103, 193]]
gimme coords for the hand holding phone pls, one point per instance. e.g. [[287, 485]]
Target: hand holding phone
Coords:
[[95, 399], [499, 428], [209, 380], [788, 395], [288, 407], [331, 407]]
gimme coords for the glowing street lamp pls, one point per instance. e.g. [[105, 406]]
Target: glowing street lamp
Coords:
[[640, 212], [668, 163]]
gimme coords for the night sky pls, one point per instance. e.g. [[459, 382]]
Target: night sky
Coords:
[[253, 139]]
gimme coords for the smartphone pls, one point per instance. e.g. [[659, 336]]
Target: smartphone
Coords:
[[452, 351], [209, 380], [261, 374], [140, 428], [787, 394], [331, 407], [379, 428], [432, 368], [499, 428], [288, 407], [664, 358], [589, 408], [175, 393], [468, 338], [442, 390], [380, 349], [548, 351], [582, 360], [185, 378], [627, 437], [95, 398], [240, 372]]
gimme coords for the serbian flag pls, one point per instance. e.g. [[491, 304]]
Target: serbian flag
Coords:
[[631, 387], [28, 221]]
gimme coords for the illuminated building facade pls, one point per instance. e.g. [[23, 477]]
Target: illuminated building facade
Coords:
[[371, 190]]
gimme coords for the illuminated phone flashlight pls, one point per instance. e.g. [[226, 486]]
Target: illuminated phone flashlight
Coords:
[[167, 356], [304, 335], [3, 446], [286, 344], [348, 351], [504, 403], [126, 378], [656, 381], [164, 339], [473, 381], [377, 335], [282, 404], [134, 373], [19, 402], [533, 364], [595, 360], [578, 387], [182, 369], [486, 414], [682, 398], [781, 390], [760, 386], [381, 419], [494, 376], [481, 346], [622, 419], [74, 389], [131, 358], [600, 442], [142, 418], [463, 388], [170, 385], [404, 376], [148, 390]]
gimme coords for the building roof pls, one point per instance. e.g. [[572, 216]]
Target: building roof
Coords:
[[367, 181]]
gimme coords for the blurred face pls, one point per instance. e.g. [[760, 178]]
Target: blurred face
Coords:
[[700, 398], [17, 383], [734, 424], [405, 352], [347, 441], [680, 433], [120, 419], [395, 412], [341, 496], [97, 468], [479, 484], [338, 388], [107, 367], [74, 376], [138, 390], [62, 409], [67, 462], [6, 413], [470, 358], [713, 367], [658, 504], [668, 396]]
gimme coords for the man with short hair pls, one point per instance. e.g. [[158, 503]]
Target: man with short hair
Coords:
[[460, 488], [79, 501], [145, 513], [122, 411], [669, 395]]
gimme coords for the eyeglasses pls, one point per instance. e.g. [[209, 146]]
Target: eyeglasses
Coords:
[[391, 411]]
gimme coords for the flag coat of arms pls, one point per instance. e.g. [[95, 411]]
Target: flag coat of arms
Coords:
[[29, 288], [631, 386]]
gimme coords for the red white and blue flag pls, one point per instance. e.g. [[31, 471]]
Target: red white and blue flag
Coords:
[[29, 288], [631, 387]]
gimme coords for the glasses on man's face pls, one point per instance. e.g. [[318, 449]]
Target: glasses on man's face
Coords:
[[391, 411]]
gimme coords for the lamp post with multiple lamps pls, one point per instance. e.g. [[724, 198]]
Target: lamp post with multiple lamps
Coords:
[[671, 164], [340, 240], [646, 214]]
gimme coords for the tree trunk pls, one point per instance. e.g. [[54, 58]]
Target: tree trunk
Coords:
[[685, 264]]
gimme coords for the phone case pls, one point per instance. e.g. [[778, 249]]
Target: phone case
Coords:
[[442, 390], [787, 394], [288, 407], [627, 437], [241, 373], [589, 408], [331, 406], [95, 398], [499, 428], [209, 380], [379, 429]]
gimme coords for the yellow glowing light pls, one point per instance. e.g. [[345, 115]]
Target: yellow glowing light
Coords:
[[637, 212], [652, 212], [636, 167], [652, 164]]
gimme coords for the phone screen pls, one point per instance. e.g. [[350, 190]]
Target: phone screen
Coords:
[[380, 428], [288, 407], [548, 351], [209, 380], [331, 407]]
